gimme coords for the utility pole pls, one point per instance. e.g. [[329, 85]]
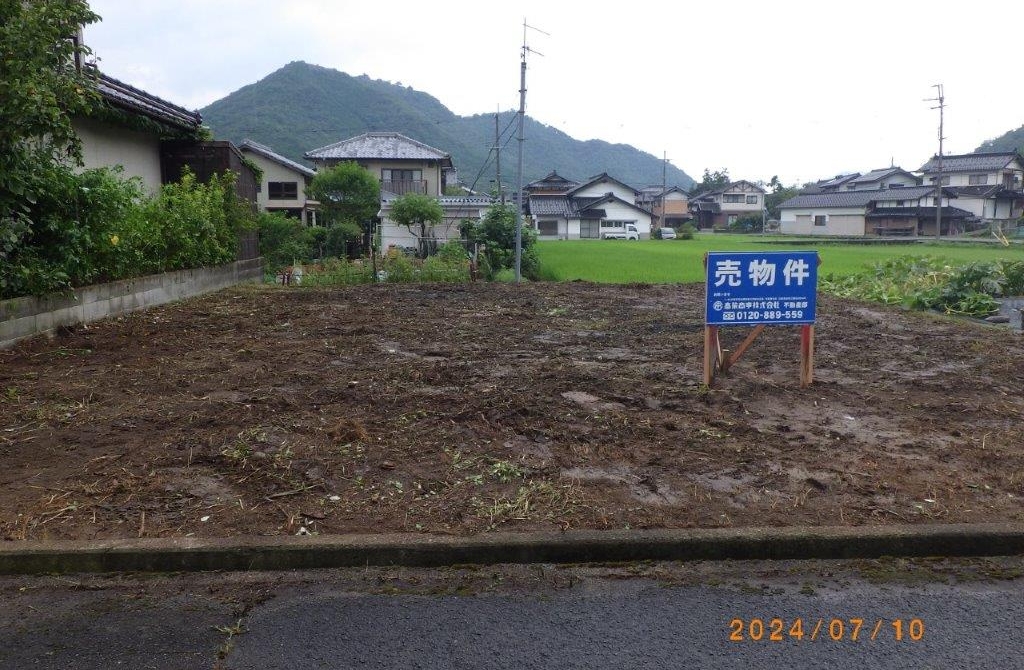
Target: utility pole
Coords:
[[521, 138], [664, 186], [941, 99], [497, 157]]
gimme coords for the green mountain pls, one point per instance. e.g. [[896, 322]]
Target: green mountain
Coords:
[[1010, 141], [302, 107]]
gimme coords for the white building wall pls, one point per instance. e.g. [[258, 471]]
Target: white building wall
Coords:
[[617, 211], [839, 221], [107, 146], [274, 171]]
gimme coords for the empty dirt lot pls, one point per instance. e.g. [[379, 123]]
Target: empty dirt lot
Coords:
[[466, 408]]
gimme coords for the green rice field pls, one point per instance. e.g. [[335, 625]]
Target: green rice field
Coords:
[[681, 261]]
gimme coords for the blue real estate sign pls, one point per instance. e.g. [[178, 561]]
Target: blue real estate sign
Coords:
[[746, 288]]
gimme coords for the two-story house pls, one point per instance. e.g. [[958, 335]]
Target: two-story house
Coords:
[[989, 185], [722, 206], [283, 185], [561, 209], [669, 207], [404, 165]]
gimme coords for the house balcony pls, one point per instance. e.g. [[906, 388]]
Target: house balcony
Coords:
[[403, 186]]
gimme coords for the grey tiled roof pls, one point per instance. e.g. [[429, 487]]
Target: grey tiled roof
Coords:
[[981, 162], [552, 181], [604, 176], [269, 154], [857, 198], [379, 146], [569, 207], [550, 205], [878, 175], [120, 94], [836, 181], [472, 200]]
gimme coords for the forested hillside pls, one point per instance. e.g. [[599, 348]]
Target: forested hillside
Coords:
[[302, 107]]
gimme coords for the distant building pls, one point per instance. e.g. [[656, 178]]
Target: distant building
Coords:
[[562, 209], [725, 205], [669, 207], [402, 164], [283, 186], [989, 185], [906, 211]]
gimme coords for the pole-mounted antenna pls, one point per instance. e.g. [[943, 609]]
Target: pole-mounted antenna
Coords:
[[519, 173]]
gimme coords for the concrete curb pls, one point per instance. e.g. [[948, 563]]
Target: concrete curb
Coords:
[[420, 550]]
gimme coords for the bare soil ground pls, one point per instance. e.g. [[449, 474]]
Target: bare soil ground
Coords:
[[461, 409]]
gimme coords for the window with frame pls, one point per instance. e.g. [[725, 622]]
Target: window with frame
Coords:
[[732, 197], [283, 190], [751, 199], [613, 224], [401, 175], [820, 219], [590, 229], [935, 180], [977, 179], [547, 227]]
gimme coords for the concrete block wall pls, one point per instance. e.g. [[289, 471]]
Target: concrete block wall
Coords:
[[31, 315]]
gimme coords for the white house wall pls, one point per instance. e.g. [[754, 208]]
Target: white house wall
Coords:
[[616, 211], [274, 171], [395, 235], [106, 146], [847, 221]]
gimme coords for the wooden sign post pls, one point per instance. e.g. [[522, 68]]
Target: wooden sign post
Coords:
[[759, 289]]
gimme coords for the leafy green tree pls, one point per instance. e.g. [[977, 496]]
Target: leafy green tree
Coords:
[[40, 90], [496, 232], [413, 209], [712, 181], [284, 241], [778, 193], [340, 237], [347, 193]]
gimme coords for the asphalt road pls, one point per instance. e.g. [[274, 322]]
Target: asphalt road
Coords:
[[963, 614]]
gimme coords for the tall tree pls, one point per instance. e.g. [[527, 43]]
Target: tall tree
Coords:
[[347, 194], [778, 195], [422, 211], [712, 181], [40, 90]]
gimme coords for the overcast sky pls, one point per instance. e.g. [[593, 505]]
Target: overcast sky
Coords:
[[804, 90]]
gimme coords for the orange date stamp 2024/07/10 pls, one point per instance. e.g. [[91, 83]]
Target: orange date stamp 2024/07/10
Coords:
[[836, 630]]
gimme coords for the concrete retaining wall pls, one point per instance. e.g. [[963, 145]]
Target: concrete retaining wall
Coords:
[[31, 315]]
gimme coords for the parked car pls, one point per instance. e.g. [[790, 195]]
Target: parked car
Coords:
[[630, 233], [666, 233]]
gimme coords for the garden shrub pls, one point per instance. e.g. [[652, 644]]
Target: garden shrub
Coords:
[[284, 241], [94, 226]]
